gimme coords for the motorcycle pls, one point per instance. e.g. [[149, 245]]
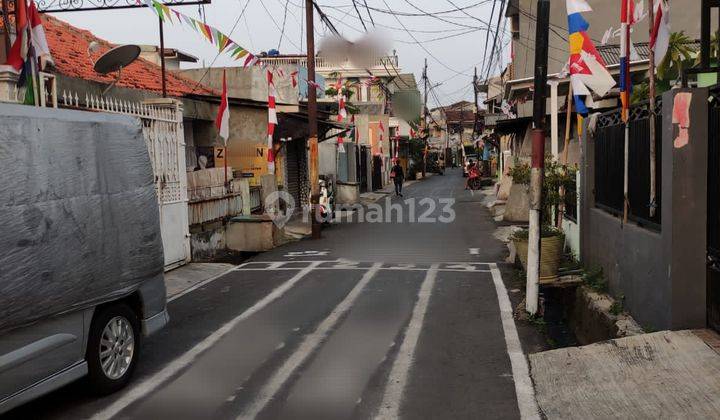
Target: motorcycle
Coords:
[[327, 200]]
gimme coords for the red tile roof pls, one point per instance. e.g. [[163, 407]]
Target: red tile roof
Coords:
[[69, 47]]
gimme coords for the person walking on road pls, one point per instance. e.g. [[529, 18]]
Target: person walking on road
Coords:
[[398, 176]]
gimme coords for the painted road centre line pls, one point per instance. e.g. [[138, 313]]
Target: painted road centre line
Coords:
[[147, 386], [524, 389], [308, 346], [390, 406]]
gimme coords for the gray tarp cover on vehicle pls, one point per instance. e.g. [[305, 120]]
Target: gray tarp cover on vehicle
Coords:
[[79, 220]]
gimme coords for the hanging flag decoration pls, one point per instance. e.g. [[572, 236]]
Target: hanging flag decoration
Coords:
[[221, 41], [38, 38], [272, 121], [222, 121], [342, 113], [588, 72], [293, 77], [660, 38], [18, 54], [627, 18]]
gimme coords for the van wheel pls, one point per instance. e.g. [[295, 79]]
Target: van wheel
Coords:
[[113, 348]]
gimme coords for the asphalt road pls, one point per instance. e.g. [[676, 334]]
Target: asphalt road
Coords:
[[376, 320]]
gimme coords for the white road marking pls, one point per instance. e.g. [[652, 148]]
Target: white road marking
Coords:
[[337, 268], [524, 389], [265, 264], [474, 251], [308, 346], [307, 254], [199, 285], [341, 264], [150, 384], [390, 406]]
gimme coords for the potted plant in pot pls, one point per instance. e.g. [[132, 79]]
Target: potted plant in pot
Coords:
[[552, 240]]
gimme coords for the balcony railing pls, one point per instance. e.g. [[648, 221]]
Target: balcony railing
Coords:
[[491, 120], [324, 63]]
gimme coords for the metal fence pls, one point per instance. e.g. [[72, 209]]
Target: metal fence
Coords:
[[570, 201], [609, 163], [255, 199], [713, 211]]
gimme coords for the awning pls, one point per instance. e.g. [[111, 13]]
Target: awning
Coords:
[[512, 126]]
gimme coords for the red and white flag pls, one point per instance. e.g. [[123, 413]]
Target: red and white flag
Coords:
[[222, 121], [272, 121], [18, 53], [39, 40], [660, 38]]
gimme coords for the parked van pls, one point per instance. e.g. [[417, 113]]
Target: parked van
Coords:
[[81, 277]]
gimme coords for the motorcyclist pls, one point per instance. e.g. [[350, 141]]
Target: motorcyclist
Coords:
[[473, 174]]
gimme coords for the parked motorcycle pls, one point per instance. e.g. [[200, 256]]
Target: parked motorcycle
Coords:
[[327, 199]]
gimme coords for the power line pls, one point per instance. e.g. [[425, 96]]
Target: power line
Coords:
[[497, 32], [487, 40], [434, 15], [262, 3], [415, 42], [389, 11], [421, 45], [368, 12], [282, 32], [359, 15], [395, 28]]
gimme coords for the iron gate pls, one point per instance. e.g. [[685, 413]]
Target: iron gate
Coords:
[[713, 215], [162, 128]]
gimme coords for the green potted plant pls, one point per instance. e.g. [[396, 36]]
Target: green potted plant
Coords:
[[552, 240]]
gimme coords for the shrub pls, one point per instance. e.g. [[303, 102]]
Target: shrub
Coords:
[[520, 173]]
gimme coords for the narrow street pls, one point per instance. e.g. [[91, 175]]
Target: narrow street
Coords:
[[376, 320]]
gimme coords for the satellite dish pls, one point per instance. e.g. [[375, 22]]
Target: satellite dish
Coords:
[[115, 59]]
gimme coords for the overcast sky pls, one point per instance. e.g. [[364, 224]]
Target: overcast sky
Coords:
[[450, 60]]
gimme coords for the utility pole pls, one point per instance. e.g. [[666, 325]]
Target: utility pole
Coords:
[[425, 123], [476, 133], [312, 120], [538, 155], [477, 106]]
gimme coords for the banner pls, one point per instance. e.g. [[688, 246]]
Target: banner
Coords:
[[221, 41]]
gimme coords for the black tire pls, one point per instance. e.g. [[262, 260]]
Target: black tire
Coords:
[[98, 382]]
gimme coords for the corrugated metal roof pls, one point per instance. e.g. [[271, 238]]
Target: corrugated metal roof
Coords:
[[404, 81], [611, 53]]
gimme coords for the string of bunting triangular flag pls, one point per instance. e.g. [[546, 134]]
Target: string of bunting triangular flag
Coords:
[[221, 41]]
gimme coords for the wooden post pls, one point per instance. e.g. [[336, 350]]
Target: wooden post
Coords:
[[312, 120], [425, 124], [162, 58]]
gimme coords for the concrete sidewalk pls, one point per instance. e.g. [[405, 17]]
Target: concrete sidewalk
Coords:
[[668, 374], [191, 276]]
